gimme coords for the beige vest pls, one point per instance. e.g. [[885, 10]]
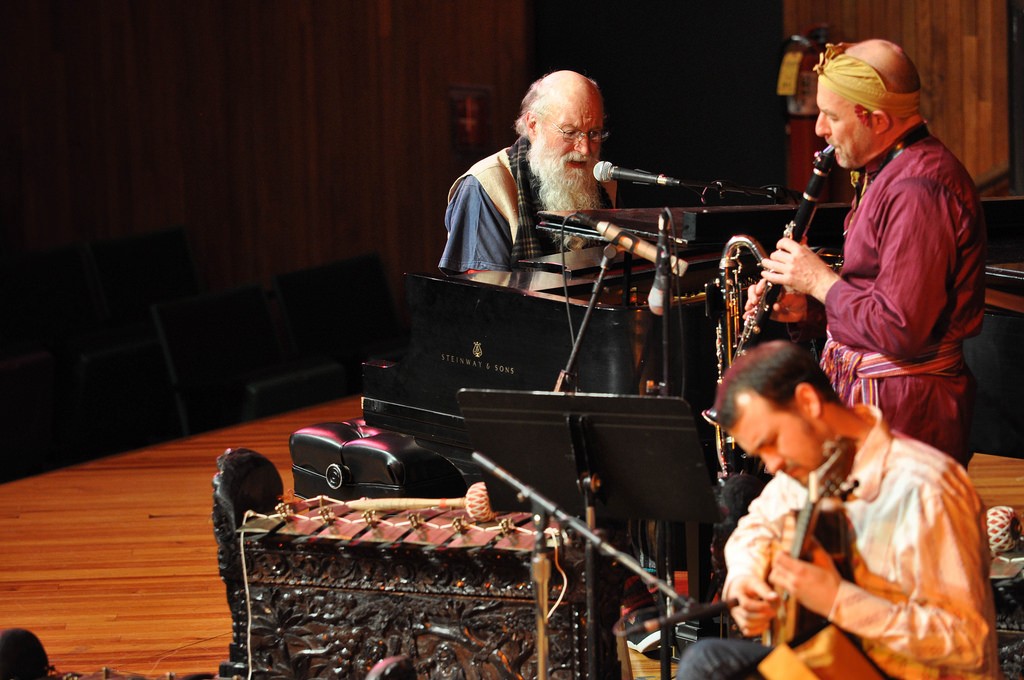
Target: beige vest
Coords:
[[495, 176]]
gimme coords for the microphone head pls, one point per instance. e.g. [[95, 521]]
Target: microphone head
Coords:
[[603, 171], [656, 300]]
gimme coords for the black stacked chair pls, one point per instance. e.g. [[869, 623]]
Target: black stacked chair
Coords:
[[85, 307], [48, 305], [226, 363], [137, 271], [344, 309], [49, 296], [998, 425], [27, 376], [122, 396]]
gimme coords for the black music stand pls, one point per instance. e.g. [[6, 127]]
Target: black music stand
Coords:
[[644, 451]]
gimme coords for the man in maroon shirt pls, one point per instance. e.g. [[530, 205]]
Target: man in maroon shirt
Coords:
[[912, 283]]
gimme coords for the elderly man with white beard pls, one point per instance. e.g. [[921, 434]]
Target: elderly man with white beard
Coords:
[[492, 208]]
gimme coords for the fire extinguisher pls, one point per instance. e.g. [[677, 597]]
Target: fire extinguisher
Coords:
[[798, 85]]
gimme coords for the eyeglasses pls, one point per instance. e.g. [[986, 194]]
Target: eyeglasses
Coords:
[[575, 136]]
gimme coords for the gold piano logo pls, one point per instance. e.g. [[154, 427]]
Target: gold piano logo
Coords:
[[476, 360]]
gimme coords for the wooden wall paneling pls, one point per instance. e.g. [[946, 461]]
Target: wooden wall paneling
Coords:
[[272, 135], [894, 16], [882, 13], [952, 38], [994, 39], [909, 20], [331, 125], [986, 95], [269, 136], [426, 163], [346, 63], [21, 41], [208, 203], [48, 147], [281, 134], [971, 141], [156, 162], [849, 20], [395, 158], [420, 227], [89, 93], [920, 50], [365, 82], [81, 126]]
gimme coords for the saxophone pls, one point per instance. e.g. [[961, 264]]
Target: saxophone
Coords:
[[796, 229], [729, 287]]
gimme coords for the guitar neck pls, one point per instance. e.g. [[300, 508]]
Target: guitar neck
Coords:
[[801, 529], [826, 481]]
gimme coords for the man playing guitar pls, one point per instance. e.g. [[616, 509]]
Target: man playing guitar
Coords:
[[918, 603]]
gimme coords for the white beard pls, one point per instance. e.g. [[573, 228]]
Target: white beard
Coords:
[[564, 188]]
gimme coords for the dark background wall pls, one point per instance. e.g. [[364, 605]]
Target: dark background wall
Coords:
[[689, 86], [283, 134]]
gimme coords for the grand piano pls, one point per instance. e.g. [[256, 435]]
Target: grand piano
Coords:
[[515, 330]]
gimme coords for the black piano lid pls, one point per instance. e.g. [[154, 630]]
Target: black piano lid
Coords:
[[1011, 273]]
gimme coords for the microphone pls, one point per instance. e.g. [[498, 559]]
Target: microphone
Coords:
[[694, 611], [629, 242], [605, 171], [656, 298]]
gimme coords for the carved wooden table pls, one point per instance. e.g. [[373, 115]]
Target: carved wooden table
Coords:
[[327, 591]]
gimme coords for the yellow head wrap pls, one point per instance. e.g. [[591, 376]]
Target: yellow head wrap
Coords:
[[855, 80]]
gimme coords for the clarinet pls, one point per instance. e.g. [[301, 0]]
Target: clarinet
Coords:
[[824, 161]]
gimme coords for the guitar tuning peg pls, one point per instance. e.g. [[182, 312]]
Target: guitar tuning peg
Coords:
[[847, 488]]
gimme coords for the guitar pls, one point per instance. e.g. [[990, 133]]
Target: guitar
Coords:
[[828, 481], [806, 645]]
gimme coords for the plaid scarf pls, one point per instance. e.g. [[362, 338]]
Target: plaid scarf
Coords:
[[528, 244]]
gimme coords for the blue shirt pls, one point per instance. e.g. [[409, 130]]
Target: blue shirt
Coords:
[[479, 237]]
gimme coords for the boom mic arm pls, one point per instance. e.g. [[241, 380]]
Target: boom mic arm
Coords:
[[631, 243]]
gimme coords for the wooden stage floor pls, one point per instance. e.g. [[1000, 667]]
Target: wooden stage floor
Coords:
[[113, 563]]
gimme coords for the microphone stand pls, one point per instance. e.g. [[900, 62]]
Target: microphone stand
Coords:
[[550, 509], [662, 265], [663, 557], [588, 483], [567, 382], [540, 569], [566, 378], [775, 193]]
